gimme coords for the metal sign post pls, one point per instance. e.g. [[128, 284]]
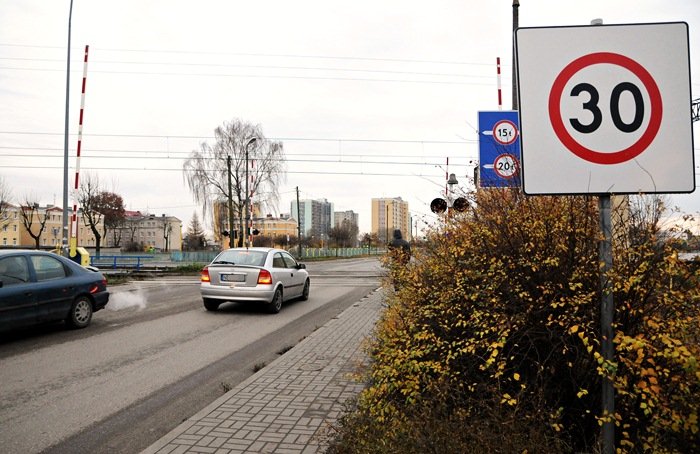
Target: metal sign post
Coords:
[[607, 314]]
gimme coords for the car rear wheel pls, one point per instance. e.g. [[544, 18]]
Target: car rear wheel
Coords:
[[210, 304], [276, 304], [305, 292], [80, 313]]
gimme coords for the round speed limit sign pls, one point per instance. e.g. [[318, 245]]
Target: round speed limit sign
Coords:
[[641, 98], [505, 132], [607, 111], [505, 165]]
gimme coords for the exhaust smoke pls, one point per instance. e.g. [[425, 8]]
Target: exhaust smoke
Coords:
[[126, 300]]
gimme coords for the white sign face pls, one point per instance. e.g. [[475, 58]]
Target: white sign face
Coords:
[[505, 165], [505, 132], [605, 109]]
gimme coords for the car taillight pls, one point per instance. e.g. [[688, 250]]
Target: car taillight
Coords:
[[264, 277], [102, 285], [204, 275]]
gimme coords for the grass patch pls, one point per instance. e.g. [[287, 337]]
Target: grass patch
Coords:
[[189, 268]]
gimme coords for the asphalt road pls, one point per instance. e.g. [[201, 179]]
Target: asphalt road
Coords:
[[153, 358]]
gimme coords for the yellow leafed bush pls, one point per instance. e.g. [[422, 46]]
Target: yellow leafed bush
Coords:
[[491, 342]]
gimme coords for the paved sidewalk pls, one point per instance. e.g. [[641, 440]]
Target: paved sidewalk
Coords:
[[287, 406]]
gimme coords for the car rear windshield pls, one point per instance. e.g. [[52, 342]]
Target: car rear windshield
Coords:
[[254, 258]]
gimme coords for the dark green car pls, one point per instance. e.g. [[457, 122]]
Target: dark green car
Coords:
[[41, 287]]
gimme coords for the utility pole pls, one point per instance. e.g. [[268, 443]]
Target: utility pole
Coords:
[[299, 223], [230, 203], [516, 5], [245, 232]]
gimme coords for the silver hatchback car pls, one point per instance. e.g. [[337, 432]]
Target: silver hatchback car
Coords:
[[261, 275]]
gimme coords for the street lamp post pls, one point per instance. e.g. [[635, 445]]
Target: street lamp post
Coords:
[[64, 234], [247, 194]]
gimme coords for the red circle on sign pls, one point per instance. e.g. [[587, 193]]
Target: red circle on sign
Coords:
[[509, 141], [586, 153], [510, 160]]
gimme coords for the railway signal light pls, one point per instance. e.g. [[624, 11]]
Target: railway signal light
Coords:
[[438, 205]]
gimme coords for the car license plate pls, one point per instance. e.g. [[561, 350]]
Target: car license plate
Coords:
[[232, 277]]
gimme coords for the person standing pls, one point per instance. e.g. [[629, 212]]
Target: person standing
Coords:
[[400, 247]]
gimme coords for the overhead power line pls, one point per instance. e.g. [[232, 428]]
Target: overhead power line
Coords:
[[262, 76], [294, 172], [266, 55], [220, 65], [310, 139]]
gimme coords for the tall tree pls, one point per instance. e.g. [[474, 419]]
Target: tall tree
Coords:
[[369, 239], [88, 200], [167, 233], [111, 205], [33, 219], [194, 237], [118, 234], [207, 169], [99, 206], [345, 234]]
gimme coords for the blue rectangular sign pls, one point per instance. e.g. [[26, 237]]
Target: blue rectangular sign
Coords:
[[499, 149]]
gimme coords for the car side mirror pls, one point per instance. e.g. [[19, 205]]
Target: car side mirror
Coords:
[[301, 266]]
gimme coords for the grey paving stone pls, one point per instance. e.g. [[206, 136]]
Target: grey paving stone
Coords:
[[287, 406]]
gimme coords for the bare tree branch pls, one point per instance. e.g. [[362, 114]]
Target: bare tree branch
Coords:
[[88, 199], [31, 213], [206, 170]]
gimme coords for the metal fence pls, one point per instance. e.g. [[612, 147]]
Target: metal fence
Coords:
[[178, 258]]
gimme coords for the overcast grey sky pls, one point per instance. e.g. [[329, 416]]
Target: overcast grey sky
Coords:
[[371, 98]]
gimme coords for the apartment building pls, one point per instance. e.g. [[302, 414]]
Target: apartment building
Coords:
[[14, 233], [389, 214], [271, 226], [314, 216], [268, 225], [147, 232], [350, 216]]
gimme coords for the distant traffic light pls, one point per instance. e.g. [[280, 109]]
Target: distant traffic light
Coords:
[[438, 205]]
